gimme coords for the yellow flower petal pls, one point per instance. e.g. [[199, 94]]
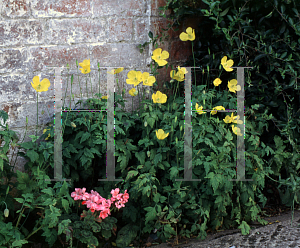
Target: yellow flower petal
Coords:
[[160, 134], [158, 97], [199, 109], [132, 92], [189, 35], [40, 86], [217, 82], [159, 57], [227, 64]]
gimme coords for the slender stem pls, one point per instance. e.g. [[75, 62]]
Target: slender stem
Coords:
[[86, 88], [91, 85], [194, 62], [79, 82], [34, 232], [37, 113]]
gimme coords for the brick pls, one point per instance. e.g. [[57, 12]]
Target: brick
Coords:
[[157, 25], [73, 31], [12, 60], [15, 8], [120, 29], [141, 30], [119, 55], [57, 56], [180, 50], [21, 32], [15, 88], [61, 8], [17, 113], [118, 8]]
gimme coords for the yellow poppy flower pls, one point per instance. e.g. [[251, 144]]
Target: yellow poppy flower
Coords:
[[159, 56], [85, 66], [133, 92], [134, 77], [228, 119], [236, 130], [160, 134], [40, 86], [236, 119], [227, 64], [217, 82], [159, 97], [115, 71], [147, 79], [189, 35], [199, 109], [233, 87], [44, 131], [177, 75], [182, 70], [104, 97], [85, 70], [217, 108], [85, 63]]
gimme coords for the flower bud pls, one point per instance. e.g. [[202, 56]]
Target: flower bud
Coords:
[[148, 154], [147, 91], [172, 128], [26, 120], [6, 212], [145, 123], [175, 118], [180, 128], [176, 140], [73, 124]]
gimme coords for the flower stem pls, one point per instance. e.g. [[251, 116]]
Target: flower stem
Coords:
[[37, 113], [79, 82], [194, 62], [86, 88], [91, 85]]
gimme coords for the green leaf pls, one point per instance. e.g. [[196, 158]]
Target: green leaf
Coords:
[[245, 228], [48, 191], [141, 156], [32, 155], [169, 229], [282, 28], [65, 204], [173, 172], [84, 137], [150, 34], [224, 12], [151, 215], [151, 121], [259, 57], [283, 55]]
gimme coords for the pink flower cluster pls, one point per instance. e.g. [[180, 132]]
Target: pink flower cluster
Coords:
[[96, 202]]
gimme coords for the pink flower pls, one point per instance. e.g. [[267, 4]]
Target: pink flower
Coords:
[[104, 213], [80, 194], [96, 202]]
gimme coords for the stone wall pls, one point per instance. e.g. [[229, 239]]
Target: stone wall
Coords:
[[37, 35]]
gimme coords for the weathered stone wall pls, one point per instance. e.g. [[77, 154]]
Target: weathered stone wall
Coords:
[[36, 35]]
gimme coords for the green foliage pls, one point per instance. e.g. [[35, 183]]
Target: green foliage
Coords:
[[10, 236], [244, 31]]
